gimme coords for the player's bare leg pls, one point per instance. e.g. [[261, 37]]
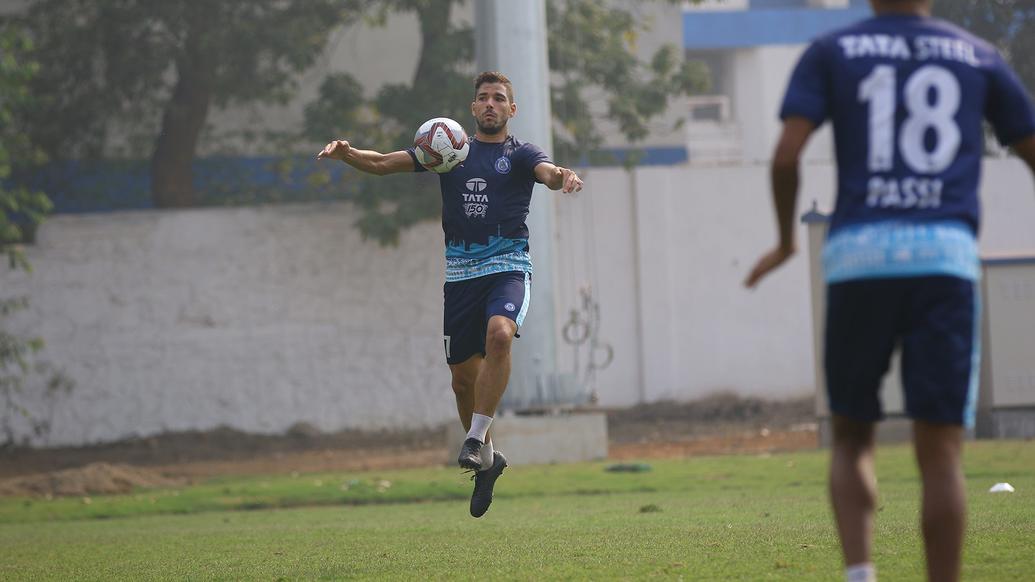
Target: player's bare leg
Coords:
[[479, 384], [490, 384], [464, 376], [495, 372], [853, 487], [488, 390], [939, 450]]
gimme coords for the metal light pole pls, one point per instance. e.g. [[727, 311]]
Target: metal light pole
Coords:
[[510, 37]]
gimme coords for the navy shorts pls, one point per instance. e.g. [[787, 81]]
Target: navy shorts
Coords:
[[470, 303], [934, 319]]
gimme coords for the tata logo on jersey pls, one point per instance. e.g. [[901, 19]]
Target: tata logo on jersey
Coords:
[[475, 204], [476, 209]]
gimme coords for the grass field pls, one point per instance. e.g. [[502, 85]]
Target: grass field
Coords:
[[709, 518]]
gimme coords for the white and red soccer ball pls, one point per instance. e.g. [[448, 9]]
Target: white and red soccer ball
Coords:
[[440, 144]]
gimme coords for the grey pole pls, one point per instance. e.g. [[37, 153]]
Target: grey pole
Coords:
[[510, 37]]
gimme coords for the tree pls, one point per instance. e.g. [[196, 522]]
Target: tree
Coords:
[[113, 70], [22, 211], [130, 76], [1009, 24], [22, 208], [602, 62], [591, 48]]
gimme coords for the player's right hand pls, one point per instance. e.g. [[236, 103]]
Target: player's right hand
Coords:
[[766, 264], [336, 150]]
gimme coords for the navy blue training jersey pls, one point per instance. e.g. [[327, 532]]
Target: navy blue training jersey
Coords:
[[906, 96], [484, 205]]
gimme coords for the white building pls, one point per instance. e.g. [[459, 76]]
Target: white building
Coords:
[[751, 48]]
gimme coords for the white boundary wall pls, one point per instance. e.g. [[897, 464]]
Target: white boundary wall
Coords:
[[254, 318], [258, 318]]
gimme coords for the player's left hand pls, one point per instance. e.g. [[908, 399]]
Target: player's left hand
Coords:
[[766, 264], [336, 150], [570, 181]]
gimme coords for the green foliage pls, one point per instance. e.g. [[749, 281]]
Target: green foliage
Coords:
[[138, 78], [113, 73], [387, 121], [109, 68], [23, 378], [635, 91], [591, 53], [22, 211], [1009, 24]]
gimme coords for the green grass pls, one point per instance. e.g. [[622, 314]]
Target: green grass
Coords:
[[713, 518]]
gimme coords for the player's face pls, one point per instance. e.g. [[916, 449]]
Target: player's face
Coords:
[[492, 108]]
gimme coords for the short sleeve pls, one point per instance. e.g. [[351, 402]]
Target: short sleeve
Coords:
[[1008, 107], [530, 156], [417, 167], [807, 91]]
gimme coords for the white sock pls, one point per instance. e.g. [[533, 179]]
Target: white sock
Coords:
[[487, 452], [864, 572], [479, 426]]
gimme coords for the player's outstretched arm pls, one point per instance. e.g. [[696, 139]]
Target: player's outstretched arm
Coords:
[[784, 178], [558, 178], [368, 161]]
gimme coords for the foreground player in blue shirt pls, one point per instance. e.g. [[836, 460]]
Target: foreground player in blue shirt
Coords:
[[906, 95], [488, 268]]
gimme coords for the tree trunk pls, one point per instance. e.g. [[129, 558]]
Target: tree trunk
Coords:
[[434, 24], [172, 177]]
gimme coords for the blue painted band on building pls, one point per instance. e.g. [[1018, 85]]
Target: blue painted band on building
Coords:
[[646, 156], [766, 26], [110, 185]]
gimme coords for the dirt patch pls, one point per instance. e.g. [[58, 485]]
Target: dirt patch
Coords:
[[722, 415], [326, 461], [225, 445], [719, 424], [764, 441], [93, 479]]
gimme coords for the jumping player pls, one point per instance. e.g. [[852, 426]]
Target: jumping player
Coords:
[[906, 95], [488, 267]]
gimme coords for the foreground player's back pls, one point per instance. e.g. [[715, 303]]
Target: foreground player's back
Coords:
[[906, 95]]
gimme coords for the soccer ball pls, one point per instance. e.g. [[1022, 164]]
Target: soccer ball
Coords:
[[440, 144]]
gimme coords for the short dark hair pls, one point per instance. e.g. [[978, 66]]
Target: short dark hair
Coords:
[[494, 77]]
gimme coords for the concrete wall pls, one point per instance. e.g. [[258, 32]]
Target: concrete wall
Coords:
[[673, 246], [259, 318], [253, 318]]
